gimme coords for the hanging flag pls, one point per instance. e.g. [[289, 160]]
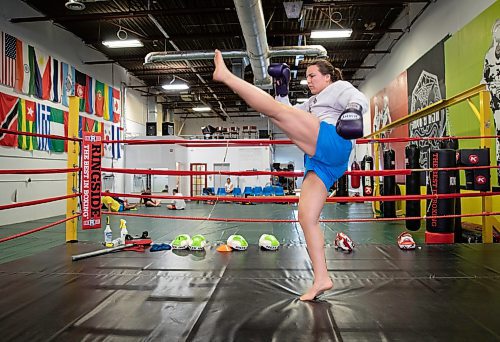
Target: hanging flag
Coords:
[[106, 113], [108, 148], [55, 90], [26, 123], [42, 74], [68, 83], [89, 95], [116, 106], [42, 126], [115, 135], [99, 98], [111, 132], [8, 65], [80, 88], [8, 119], [25, 55], [57, 127]]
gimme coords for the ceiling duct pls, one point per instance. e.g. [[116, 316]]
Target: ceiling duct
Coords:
[[251, 19]]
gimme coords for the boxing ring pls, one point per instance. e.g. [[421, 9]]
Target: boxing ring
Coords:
[[435, 292]]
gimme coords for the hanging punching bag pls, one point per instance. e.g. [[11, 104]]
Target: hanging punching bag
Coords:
[[453, 145], [412, 155], [389, 207], [342, 187], [367, 181], [355, 179]]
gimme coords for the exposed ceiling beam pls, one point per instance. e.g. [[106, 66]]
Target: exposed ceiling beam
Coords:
[[185, 11]]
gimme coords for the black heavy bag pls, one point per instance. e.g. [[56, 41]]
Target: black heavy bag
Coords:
[[441, 182], [367, 181], [452, 144], [389, 207], [412, 155], [342, 187]]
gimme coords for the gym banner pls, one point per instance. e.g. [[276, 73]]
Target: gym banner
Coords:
[[426, 85], [91, 180], [388, 105]]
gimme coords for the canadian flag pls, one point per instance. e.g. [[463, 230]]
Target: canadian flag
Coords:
[[116, 106]]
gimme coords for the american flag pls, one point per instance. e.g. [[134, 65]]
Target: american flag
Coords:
[[8, 72]]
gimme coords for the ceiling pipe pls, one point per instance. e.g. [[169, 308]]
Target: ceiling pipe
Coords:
[[165, 34], [258, 52]]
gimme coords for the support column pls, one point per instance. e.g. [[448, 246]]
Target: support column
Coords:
[[72, 178]]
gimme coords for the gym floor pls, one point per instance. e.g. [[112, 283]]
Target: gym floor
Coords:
[[439, 292]]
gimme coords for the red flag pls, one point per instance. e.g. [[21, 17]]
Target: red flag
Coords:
[[116, 105], [8, 119]]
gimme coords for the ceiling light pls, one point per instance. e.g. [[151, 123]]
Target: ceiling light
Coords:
[[75, 5], [114, 44], [301, 99], [175, 86], [202, 109], [303, 82], [344, 33]]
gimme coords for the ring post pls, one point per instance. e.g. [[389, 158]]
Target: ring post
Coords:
[[72, 178], [485, 124]]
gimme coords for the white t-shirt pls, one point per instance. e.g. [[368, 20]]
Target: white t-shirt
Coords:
[[179, 203], [331, 101], [229, 187]]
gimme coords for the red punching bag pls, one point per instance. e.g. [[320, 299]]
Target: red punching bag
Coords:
[[355, 179]]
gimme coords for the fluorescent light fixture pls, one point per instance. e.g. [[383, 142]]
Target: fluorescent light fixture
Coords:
[[303, 82], [344, 33], [175, 86], [301, 99], [116, 44], [202, 109]]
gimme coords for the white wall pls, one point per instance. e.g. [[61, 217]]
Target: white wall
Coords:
[[241, 158], [67, 47], [193, 126]]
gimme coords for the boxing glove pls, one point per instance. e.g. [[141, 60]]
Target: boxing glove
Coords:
[[280, 72], [350, 122]]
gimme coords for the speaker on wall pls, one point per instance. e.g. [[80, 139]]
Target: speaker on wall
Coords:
[[151, 128], [167, 128]]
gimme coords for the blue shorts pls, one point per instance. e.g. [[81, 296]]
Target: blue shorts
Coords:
[[331, 157], [121, 207]]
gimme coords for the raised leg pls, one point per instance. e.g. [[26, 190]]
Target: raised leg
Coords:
[[301, 127]]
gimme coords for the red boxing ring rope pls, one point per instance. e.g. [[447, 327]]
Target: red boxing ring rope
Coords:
[[295, 199], [38, 229], [50, 136], [250, 173], [221, 219], [38, 171], [43, 201]]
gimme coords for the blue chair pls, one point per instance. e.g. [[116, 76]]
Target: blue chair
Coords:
[[278, 191], [248, 191], [221, 192], [268, 191], [236, 192], [257, 191]]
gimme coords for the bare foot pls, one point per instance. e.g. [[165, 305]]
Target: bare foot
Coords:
[[317, 289], [221, 69]]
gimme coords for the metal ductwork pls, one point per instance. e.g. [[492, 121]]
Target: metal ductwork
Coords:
[[251, 19]]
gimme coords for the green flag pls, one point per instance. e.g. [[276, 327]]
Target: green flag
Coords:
[[56, 128]]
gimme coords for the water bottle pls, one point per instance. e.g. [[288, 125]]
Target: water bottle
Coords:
[[108, 234]]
